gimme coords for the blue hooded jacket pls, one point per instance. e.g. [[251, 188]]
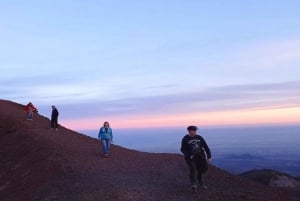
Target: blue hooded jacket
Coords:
[[105, 134]]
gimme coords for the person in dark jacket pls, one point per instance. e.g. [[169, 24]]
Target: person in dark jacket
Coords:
[[197, 154], [54, 118]]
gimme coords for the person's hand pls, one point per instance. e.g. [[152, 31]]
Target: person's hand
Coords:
[[209, 160]]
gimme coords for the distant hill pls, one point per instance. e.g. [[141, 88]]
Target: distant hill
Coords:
[[272, 178], [275, 179], [238, 164], [40, 164]]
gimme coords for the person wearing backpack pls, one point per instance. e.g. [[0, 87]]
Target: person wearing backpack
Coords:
[[29, 109], [197, 154], [106, 137]]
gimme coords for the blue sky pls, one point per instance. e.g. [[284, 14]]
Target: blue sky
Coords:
[[139, 59]]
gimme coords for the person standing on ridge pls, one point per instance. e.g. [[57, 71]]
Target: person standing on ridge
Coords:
[[29, 109], [106, 137], [197, 154], [54, 118]]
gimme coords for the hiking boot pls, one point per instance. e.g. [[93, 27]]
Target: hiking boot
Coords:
[[105, 155], [194, 188]]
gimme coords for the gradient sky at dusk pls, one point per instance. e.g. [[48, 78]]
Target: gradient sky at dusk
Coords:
[[153, 63]]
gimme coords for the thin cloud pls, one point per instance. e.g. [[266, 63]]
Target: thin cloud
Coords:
[[283, 86], [233, 97]]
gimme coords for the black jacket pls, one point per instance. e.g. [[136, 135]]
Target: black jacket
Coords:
[[190, 144], [54, 114]]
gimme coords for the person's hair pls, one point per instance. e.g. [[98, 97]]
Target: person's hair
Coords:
[[192, 128], [106, 122]]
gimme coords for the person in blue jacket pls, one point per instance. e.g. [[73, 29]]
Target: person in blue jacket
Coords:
[[106, 137]]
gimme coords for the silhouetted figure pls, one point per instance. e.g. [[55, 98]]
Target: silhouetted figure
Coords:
[[54, 118], [29, 109], [196, 154], [106, 137]]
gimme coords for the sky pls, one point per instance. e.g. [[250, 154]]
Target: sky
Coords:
[[158, 63]]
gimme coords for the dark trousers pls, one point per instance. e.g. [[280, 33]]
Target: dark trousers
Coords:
[[54, 123], [198, 166]]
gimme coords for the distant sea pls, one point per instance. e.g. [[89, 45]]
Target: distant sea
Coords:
[[236, 149]]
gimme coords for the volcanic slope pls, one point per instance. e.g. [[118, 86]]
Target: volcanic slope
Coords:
[[40, 164]]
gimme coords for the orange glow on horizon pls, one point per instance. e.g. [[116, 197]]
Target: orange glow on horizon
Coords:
[[222, 118]]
